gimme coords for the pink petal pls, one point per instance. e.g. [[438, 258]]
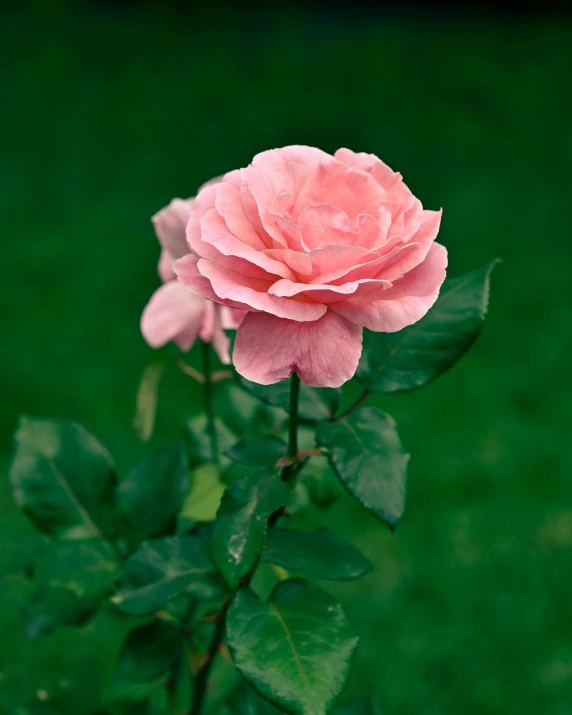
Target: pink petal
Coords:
[[228, 203], [165, 267], [208, 324], [324, 224], [406, 218], [405, 303], [372, 269], [212, 331], [405, 260], [283, 231], [205, 200], [332, 262], [231, 318], [251, 210], [188, 274], [231, 286], [220, 340], [172, 314], [324, 292], [353, 191], [208, 250], [369, 162], [298, 261], [280, 172], [324, 353], [373, 231], [213, 231], [170, 224]]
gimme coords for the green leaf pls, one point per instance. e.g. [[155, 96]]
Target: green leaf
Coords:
[[149, 651], [318, 555], [294, 650], [258, 452], [151, 495], [63, 478], [316, 403], [52, 608], [245, 701], [366, 454], [162, 569], [146, 402], [204, 498], [416, 355], [238, 533], [87, 568], [358, 707]]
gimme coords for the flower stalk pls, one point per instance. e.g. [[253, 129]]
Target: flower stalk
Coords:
[[209, 403]]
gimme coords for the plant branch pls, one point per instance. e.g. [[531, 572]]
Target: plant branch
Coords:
[[353, 406], [209, 406], [201, 681], [290, 471]]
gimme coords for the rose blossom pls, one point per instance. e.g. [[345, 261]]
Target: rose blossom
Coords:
[[174, 313], [315, 247]]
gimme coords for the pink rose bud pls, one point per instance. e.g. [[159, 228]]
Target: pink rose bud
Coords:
[[174, 313], [315, 247]]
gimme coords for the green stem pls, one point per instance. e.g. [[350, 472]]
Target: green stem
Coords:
[[202, 679], [294, 399], [209, 406], [174, 680], [289, 472]]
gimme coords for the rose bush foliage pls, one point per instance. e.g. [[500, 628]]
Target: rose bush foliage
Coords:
[[302, 251]]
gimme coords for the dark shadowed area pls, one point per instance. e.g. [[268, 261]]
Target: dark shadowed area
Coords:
[[108, 111]]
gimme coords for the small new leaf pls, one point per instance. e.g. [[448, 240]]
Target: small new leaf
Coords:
[[203, 500], [416, 355], [146, 401], [63, 478], [238, 533], [318, 555], [366, 454], [296, 649], [162, 569]]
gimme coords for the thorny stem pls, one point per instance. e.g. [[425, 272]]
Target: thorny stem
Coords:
[[211, 426], [288, 474], [201, 681]]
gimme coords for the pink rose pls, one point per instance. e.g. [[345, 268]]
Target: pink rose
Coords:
[[174, 313], [316, 248]]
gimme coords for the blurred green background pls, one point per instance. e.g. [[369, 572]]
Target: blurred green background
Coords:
[[109, 112]]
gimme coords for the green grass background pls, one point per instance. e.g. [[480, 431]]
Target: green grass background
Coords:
[[106, 116]]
